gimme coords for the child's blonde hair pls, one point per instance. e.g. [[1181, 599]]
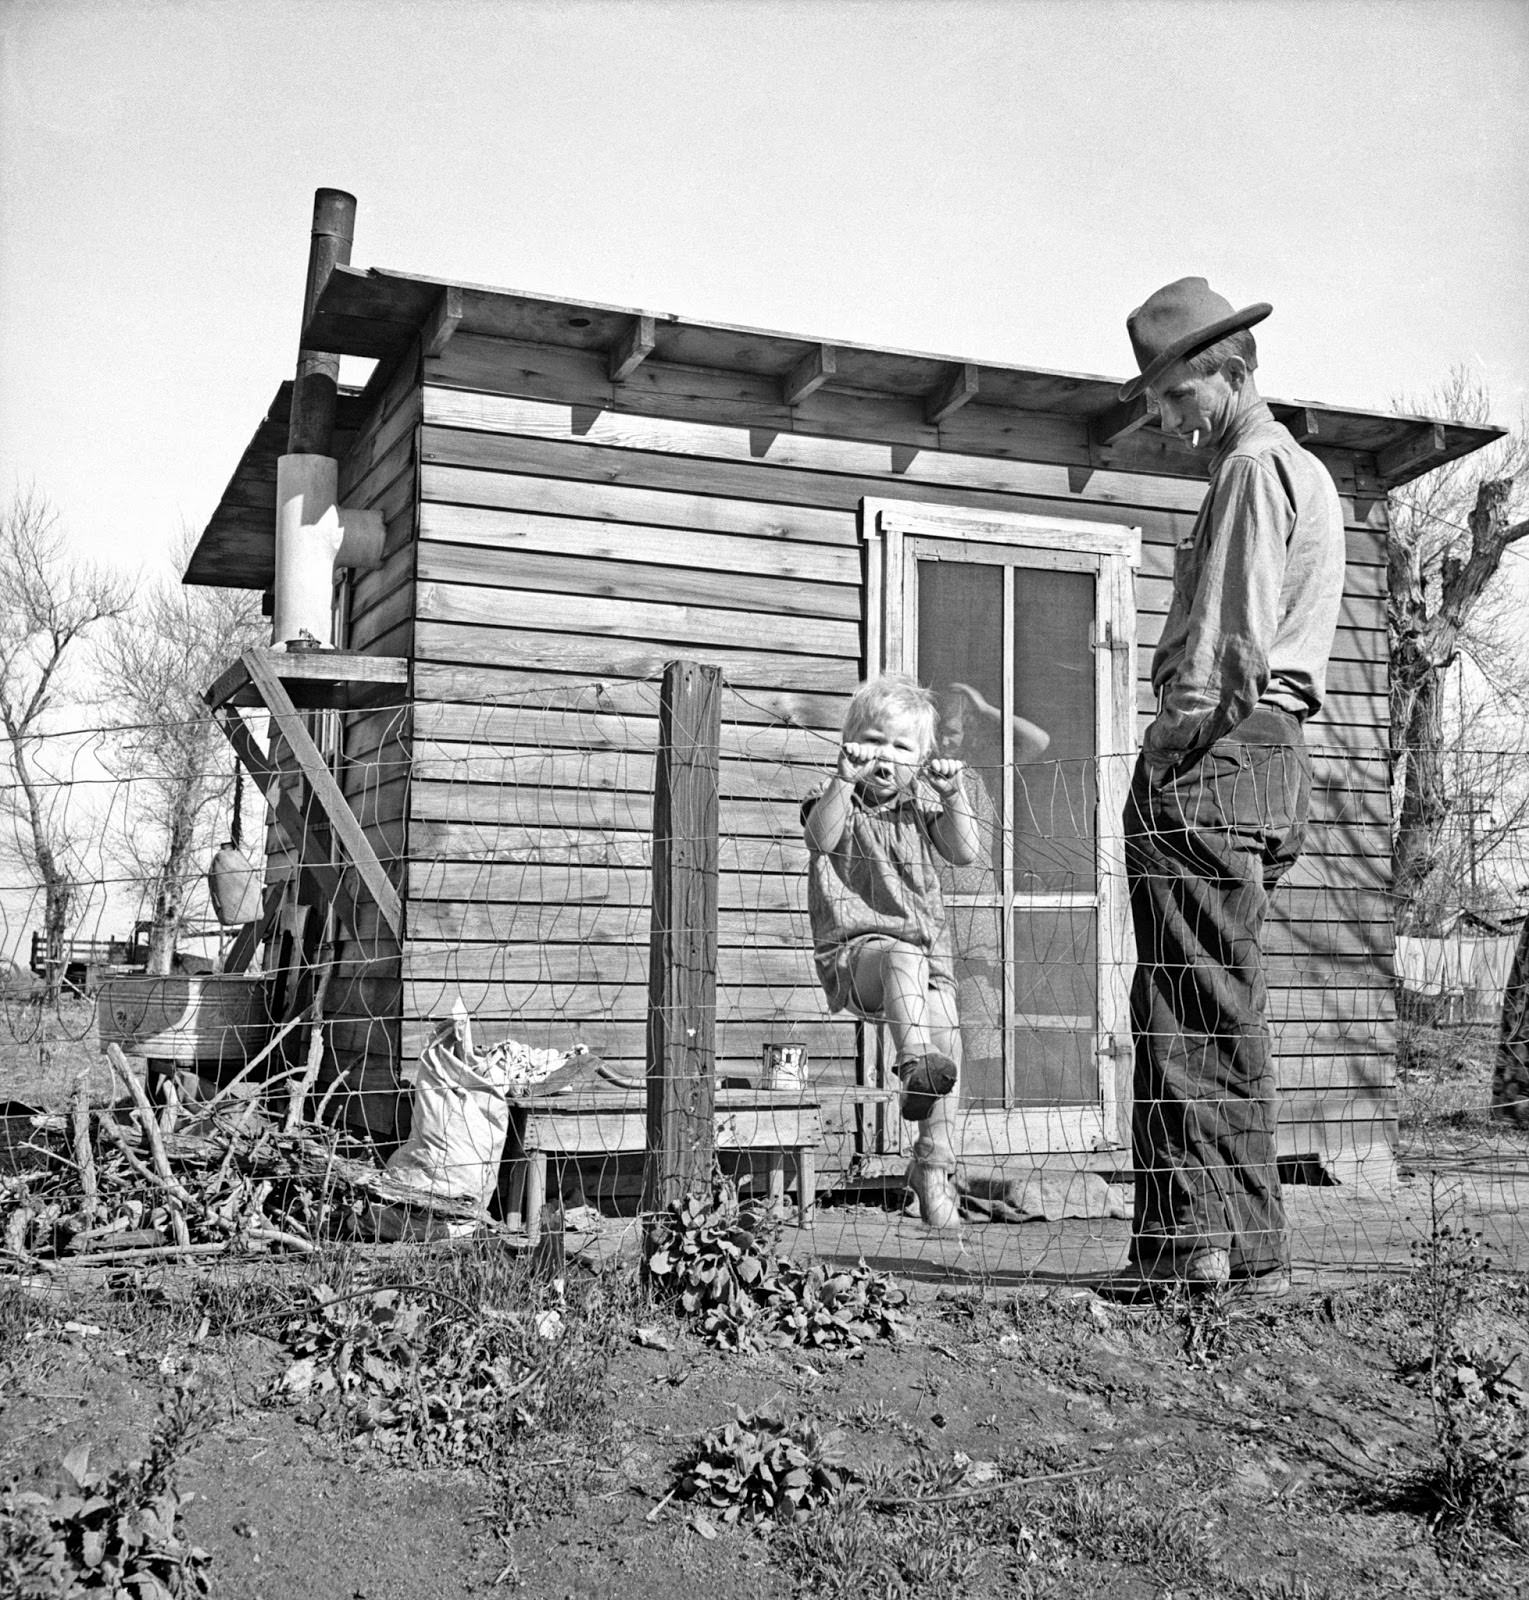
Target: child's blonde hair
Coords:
[[895, 692]]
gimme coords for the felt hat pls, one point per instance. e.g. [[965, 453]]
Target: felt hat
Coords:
[[1178, 322]]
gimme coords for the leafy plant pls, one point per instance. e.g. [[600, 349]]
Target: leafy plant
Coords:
[[428, 1385], [821, 1306], [760, 1466], [718, 1260], [107, 1534]]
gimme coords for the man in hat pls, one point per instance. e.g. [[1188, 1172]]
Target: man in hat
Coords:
[[1220, 795]]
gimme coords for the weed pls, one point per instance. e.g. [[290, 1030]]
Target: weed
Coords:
[[1478, 1477], [762, 1466], [1206, 1324], [718, 1260], [872, 1416], [111, 1534]]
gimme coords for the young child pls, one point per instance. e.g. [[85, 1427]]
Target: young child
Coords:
[[880, 942]]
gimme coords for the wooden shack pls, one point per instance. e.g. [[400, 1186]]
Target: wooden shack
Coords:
[[576, 494]]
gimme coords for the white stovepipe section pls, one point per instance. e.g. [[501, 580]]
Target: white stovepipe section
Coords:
[[308, 536]]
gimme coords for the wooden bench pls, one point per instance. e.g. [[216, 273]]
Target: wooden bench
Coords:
[[614, 1122]]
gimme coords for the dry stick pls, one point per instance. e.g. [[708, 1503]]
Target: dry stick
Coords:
[[888, 1502], [263, 1233], [315, 1012], [652, 1516], [170, 1186], [156, 1141], [324, 1188], [170, 1116], [236, 1130], [158, 1252], [84, 1156], [360, 1294], [327, 1096], [253, 1062]]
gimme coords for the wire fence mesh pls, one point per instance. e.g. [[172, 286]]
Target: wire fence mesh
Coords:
[[521, 836]]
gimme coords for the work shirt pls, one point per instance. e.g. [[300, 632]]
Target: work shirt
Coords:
[[1256, 591]]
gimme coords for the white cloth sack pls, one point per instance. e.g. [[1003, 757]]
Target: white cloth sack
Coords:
[[461, 1116]]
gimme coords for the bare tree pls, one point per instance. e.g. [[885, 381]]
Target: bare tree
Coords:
[[49, 602], [1450, 532], [154, 665]]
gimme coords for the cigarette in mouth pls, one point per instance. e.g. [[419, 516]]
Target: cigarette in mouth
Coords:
[[1194, 440]]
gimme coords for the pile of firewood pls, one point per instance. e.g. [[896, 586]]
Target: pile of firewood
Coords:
[[131, 1182]]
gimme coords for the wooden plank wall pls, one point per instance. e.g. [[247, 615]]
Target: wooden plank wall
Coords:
[[381, 469], [573, 537]]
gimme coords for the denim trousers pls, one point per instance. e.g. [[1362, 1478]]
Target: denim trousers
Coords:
[[1206, 841]]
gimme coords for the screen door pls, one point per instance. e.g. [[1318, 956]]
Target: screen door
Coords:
[[1016, 625]]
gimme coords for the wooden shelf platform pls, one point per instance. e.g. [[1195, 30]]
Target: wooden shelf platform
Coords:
[[318, 680], [605, 1121]]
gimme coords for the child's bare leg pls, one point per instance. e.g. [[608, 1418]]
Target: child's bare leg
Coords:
[[936, 1145], [893, 979]]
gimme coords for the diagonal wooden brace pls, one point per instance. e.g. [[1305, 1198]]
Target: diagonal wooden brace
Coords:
[[268, 776], [253, 934], [289, 725]]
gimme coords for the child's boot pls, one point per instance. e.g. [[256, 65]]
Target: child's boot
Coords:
[[924, 1079], [938, 1204]]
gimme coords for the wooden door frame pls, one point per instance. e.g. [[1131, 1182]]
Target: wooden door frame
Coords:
[[1112, 552]]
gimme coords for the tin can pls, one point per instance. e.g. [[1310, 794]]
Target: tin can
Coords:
[[785, 1066]]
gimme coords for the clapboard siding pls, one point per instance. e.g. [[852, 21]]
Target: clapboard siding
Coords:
[[554, 541], [784, 488]]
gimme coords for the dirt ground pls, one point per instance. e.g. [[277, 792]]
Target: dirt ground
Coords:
[[1045, 1441], [1206, 1449]]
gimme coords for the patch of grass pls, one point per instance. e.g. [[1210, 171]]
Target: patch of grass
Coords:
[[1444, 1081], [926, 1525], [849, 1550], [116, 1534], [1018, 1541], [41, 1051], [1109, 1523], [19, 1314]]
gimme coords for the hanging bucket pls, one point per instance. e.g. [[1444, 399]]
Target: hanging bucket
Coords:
[[233, 884]]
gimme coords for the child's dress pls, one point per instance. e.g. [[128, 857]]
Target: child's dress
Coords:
[[879, 882]]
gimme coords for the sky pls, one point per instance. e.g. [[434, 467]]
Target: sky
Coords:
[[1000, 182]]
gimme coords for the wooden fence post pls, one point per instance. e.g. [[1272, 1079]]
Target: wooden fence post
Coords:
[[682, 950]]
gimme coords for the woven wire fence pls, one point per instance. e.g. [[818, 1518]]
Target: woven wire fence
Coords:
[[520, 834]]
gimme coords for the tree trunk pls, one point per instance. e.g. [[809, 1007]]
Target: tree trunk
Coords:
[[174, 878], [1425, 805], [58, 892], [1425, 642]]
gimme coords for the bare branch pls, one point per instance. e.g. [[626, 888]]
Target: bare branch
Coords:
[[154, 665], [49, 602], [1450, 532]]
